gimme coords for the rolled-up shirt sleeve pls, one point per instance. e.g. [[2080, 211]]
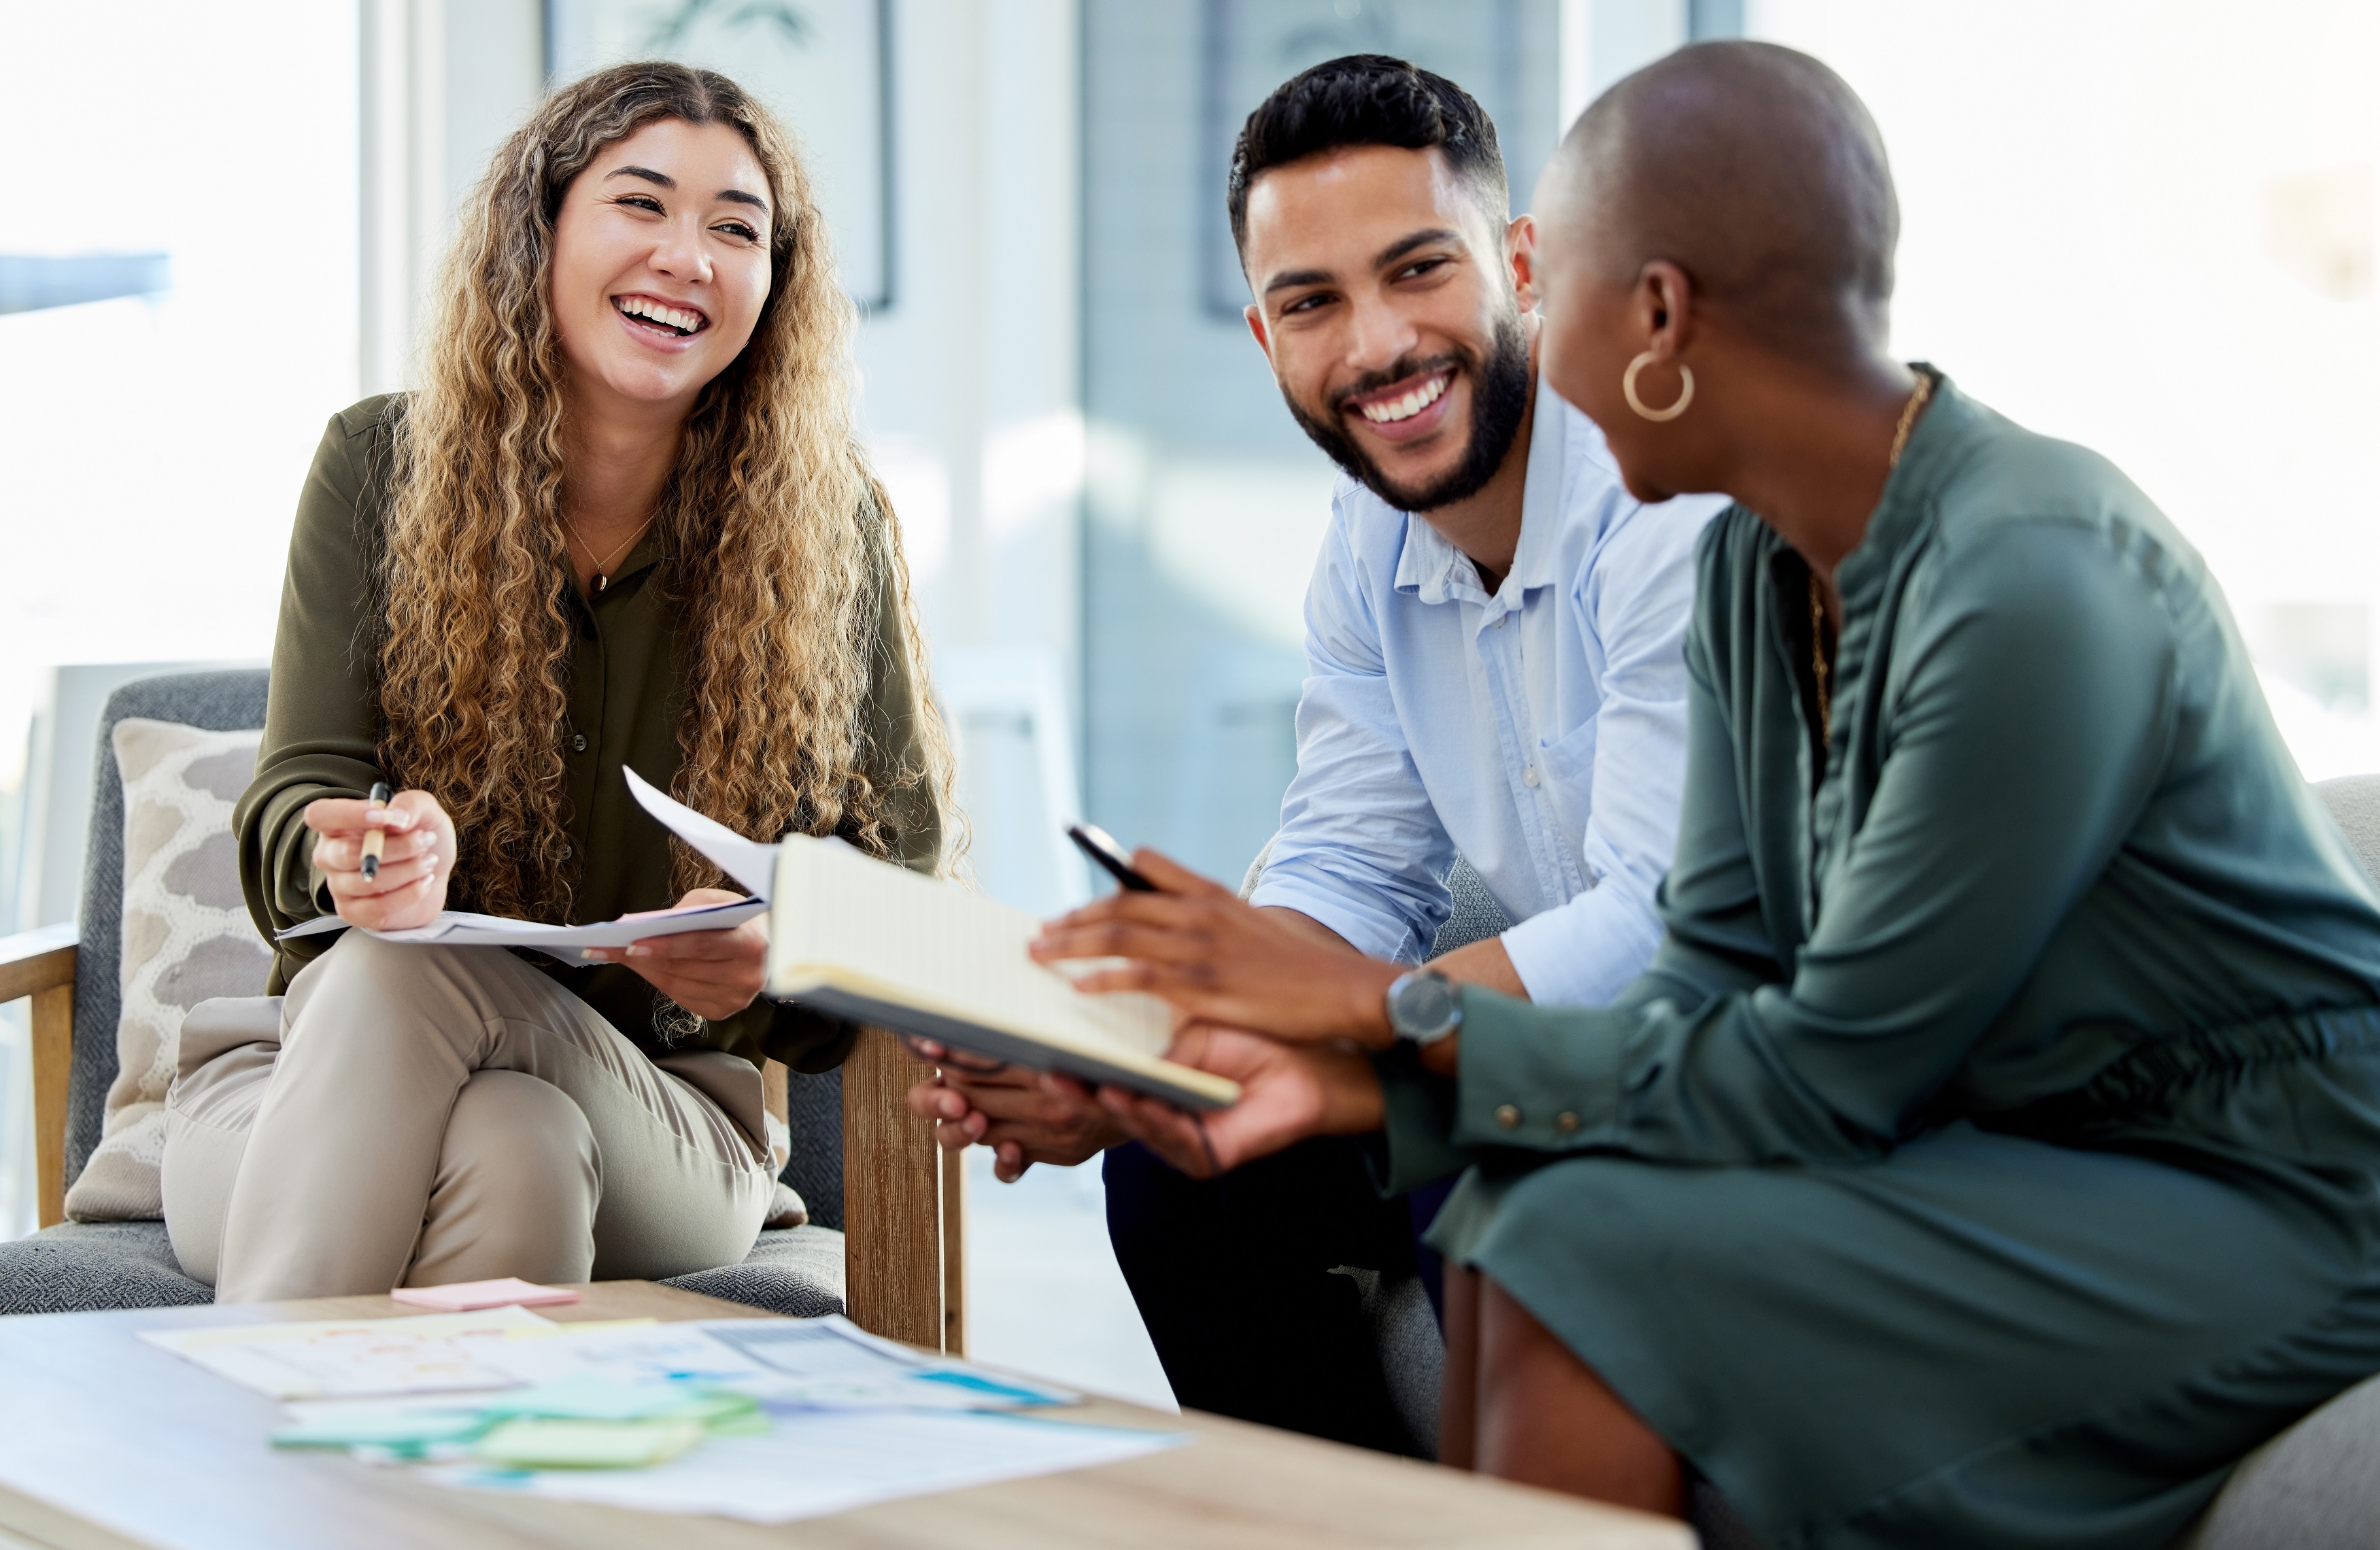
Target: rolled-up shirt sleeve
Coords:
[[1636, 600], [1361, 848]]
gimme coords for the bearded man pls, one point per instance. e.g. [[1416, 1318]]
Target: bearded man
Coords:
[[1494, 632]]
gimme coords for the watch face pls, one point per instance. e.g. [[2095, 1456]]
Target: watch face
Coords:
[[1424, 1006]]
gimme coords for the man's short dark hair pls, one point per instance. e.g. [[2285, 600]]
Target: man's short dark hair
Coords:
[[1368, 99]]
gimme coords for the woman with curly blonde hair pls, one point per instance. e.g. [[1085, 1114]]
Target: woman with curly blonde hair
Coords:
[[622, 524]]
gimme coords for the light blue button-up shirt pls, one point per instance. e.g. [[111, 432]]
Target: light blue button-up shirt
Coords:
[[1539, 733]]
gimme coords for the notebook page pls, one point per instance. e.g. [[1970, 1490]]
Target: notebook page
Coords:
[[944, 946]]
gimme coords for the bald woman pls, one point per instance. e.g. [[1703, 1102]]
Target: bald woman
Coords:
[[1989, 1156]]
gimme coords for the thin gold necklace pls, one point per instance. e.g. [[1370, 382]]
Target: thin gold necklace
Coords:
[[1818, 669], [603, 565]]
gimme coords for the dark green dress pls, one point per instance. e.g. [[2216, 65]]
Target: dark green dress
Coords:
[[1989, 1155]]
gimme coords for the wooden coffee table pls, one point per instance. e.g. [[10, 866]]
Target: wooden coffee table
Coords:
[[107, 1443]]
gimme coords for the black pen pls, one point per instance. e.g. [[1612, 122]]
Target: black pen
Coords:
[[375, 838]]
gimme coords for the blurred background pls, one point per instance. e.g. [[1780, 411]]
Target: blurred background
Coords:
[[2143, 225]]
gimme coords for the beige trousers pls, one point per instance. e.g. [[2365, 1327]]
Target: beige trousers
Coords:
[[426, 1114]]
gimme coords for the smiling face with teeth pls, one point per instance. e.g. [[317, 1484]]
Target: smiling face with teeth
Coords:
[[660, 267], [1397, 316]]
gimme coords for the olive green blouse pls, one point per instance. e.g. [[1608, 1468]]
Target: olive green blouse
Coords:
[[627, 671]]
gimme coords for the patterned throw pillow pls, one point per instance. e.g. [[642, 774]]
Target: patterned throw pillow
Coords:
[[187, 939]]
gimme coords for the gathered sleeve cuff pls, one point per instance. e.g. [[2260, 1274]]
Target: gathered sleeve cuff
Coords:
[[1534, 1077], [1414, 1145]]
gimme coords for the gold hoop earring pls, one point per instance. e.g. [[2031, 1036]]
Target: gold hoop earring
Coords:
[[1685, 394]]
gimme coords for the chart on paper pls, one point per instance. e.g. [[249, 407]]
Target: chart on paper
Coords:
[[442, 1351]]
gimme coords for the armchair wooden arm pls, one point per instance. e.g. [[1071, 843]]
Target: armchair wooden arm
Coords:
[[41, 964], [904, 1202]]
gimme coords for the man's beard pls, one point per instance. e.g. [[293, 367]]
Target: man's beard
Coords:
[[1500, 386]]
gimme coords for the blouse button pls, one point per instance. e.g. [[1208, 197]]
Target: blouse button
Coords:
[[1529, 777], [1566, 1122], [1508, 1117], [578, 743]]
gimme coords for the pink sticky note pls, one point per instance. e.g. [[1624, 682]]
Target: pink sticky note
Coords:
[[464, 1297]]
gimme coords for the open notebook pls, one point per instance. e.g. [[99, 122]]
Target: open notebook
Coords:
[[869, 941]]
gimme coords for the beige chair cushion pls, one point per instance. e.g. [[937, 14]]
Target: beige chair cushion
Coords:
[[187, 939]]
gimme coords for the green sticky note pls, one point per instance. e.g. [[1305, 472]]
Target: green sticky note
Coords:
[[540, 1444], [394, 1430], [753, 1423], [589, 1399], [721, 1410], [593, 1399]]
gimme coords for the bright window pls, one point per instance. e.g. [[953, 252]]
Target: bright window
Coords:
[[2148, 227], [153, 446]]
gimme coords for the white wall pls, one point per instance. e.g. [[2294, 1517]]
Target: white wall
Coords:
[[971, 397], [441, 83], [1604, 40]]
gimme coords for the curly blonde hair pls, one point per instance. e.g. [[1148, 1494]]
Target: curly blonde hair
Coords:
[[779, 533]]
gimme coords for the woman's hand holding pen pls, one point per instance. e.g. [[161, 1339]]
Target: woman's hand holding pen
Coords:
[[417, 856], [713, 975], [1223, 960]]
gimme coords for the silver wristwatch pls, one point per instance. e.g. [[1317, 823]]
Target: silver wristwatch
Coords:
[[1424, 1006]]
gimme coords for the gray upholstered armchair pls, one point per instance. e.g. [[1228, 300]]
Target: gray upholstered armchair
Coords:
[[882, 1242]]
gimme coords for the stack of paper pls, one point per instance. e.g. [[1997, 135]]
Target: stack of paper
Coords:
[[786, 1364], [763, 1419]]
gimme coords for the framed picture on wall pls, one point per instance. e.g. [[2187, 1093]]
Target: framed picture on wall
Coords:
[[823, 67]]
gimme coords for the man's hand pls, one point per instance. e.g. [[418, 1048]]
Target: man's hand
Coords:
[[713, 975], [1009, 1109], [1484, 963], [1287, 1093], [417, 857], [1223, 960]]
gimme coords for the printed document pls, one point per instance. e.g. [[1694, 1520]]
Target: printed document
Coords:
[[747, 861], [434, 1353]]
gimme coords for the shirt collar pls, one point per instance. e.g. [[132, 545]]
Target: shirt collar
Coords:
[[1541, 491], [1434, 570], [1937, 445]]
